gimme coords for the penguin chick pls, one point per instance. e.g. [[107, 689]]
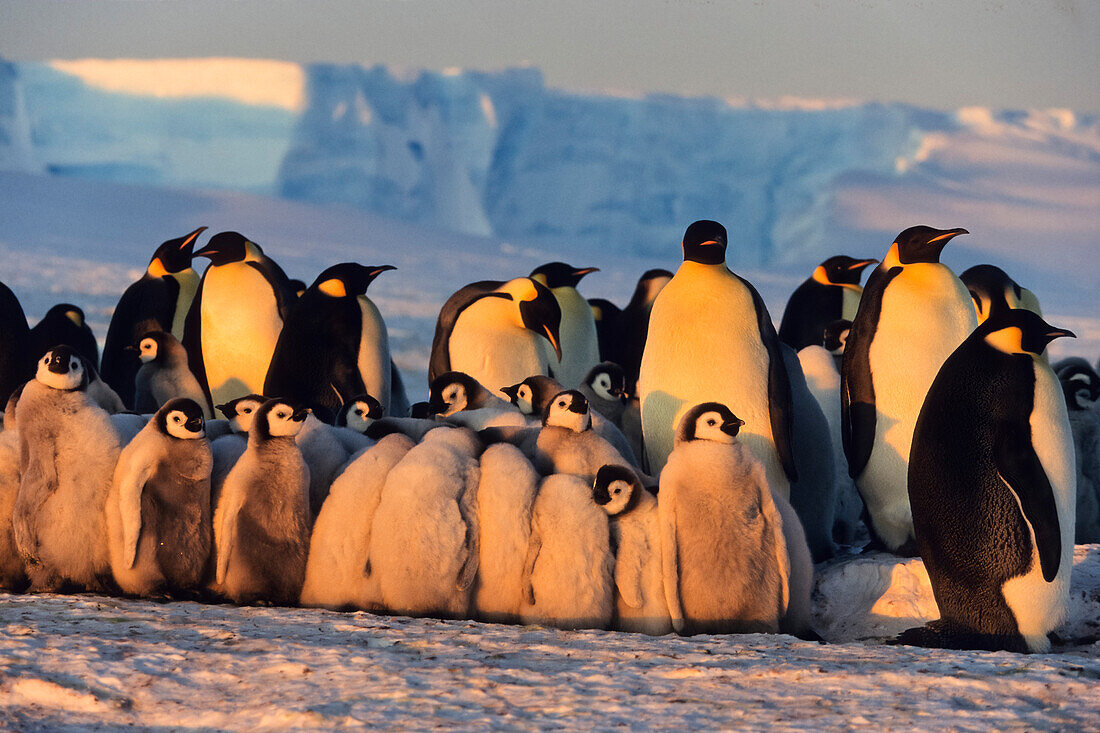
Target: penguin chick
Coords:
[[568, 444], [68, 450], [353, 421], [424, 537], [462, 400], [338, 548], [568, 567], [605, 389], [836, 337], [99, 392], [164, 374], [325, 454], [159, 525], [261, 525], [640, 604]]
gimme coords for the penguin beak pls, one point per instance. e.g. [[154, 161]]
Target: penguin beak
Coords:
[[436, 405], [948, 235], [858, 266], [194, 425], [600, 495], [59, 364], [189, 240], [512, 392], [579, 405], [420, 410], [578, 274], [208, 252], [224, 409], [1060, 333], [373, 272], [300, 414], [732, 427]]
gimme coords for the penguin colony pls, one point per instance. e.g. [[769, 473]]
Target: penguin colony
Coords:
[[675, 465]]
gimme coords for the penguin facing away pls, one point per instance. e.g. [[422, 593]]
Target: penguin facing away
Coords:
[[706, 325], [580, 346], [333, 344], [991, 485], [608, 325], [64, 324], [158, 301], [992, 289], [159, 524], [164, 375], [16, 359], [914, 312], [635, 323], [831, 293]]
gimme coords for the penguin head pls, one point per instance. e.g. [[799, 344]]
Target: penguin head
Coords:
[[296, 286], [649, 285], [603, 310], [705, 243], [991, 289], [919, 244], [420, 410], [1019, 331], [537, 309], [568, 409], [65, 310], [616, 488], [453, 392], [174, 255], [532, 395], [181, 418], [347, 279], [278, 418], [1080, 383], [836, 336], [62, 368], [226, 247], [608, 381], [241, 411], [841, 270], [711, 421], [556, 275], [360, 413], [151, 347]]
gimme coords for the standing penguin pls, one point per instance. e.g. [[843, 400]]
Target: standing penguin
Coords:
[[68, 450], [236, 317], [494, 332], [913, 314], [164, 375], [992, 289], [334, 344], [830, 294], [159, 527], [608, 325], [1081, 388], [157, 301], [711, 338], [261, 526], [640, 604], [580, 346], [64, 324], [16, 359], [991, 485], [635, 323]]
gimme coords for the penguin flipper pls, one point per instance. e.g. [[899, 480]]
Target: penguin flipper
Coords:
[[534, 546], [285, 297], [463, 298], [227, 536], [629, 567], [467, 508], [131, 483], [670, 566], [1022, 472]]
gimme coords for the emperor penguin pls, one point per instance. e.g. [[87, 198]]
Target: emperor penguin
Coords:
[[734, 556], [164, 375], [65, 324], [991, 288], [605, 389], [157, 301], [424, 536], [13, 573], [235, 318], [607, 316], [568, 567], [99, 392], [568, 444], [494, 332], [262, 521], [334, 344], [325, 452], [1081, 388], [640, 604], [830, 294], [159, 523], [353, 421], [16, 358], [462, 400], [711, 338], [836, 336], [580, 346], [634, 323], [68, 451], [341, 539], [991, 486], [914, 312], [227, 449]]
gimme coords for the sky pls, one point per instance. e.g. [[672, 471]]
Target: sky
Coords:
[[935, 54]]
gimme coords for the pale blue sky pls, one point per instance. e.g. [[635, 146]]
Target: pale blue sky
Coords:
[[1013, 54]]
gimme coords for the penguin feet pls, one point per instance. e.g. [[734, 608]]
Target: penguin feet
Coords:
[[941, 634]]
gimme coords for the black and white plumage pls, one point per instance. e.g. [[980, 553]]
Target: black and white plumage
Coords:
[[634, 324], [16, 358], [462, 400], [580, 347], [831, 293], [64, 325]]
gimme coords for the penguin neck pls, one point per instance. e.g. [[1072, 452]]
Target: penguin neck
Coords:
[[699, 269]]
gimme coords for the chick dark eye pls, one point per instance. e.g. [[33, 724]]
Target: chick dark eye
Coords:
[[247, 411], [712, 422], [176, 418], [617, 490]]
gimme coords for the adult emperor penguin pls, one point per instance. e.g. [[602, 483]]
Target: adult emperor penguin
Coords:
[[494, 332], [1081, 388], [236, 317], [65, 324], [164, 375], [608, 325], [261, 524], [992, 288], [831, 293], [991, 486], [157, 301], [16, 359], [580, 346], [159, 526], [334, 343], [68, 450], [634, 323], [914, 312], [711, 339]]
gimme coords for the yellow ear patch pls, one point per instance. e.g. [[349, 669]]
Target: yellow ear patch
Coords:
[[541, 278], [820, 276], [252, 252], [156, 268], [74, 317], [892, 258], [333, 288], [597, 312], [521, 289], [1009, 340]]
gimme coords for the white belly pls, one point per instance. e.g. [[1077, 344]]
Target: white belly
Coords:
[[240, 326], [926, 313], [849, 303], [580, 348], [188, 281], [487, 345], [704, 345], [374, 353]]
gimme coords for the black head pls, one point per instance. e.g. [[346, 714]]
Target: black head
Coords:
[[1018, 331], [568, 409], [616, 489], [1080, 383], [65, 311], [174, 255], [297, 286], [705, 243], [347, 279], [181, 418], [452, 392], [226, 247], [278, 418], [359, 412], [153, 346], [603, 310], [836, 335], [560, 275], [709, 421], [992, 289], [533, 395], [63, 368], [539, 310], [922, 244], [232, 408], [608, 380], [841, 270]]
